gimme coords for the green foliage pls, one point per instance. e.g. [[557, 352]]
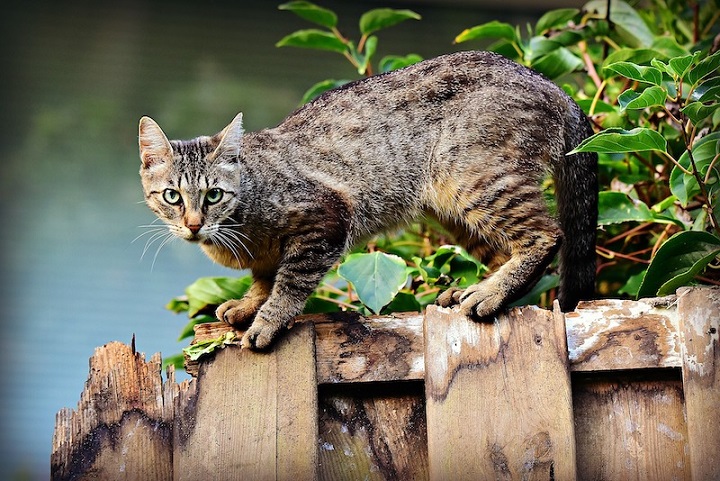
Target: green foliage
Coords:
[[360, 54], [650, 84]]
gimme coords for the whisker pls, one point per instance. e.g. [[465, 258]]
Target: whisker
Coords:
[[154, 230], [154, 238], [169, 238], [237, 236]]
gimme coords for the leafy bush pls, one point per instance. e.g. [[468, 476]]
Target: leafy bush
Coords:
[[647, 78]]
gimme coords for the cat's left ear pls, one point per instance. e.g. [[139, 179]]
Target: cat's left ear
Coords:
[[230, 139], [155, 148]]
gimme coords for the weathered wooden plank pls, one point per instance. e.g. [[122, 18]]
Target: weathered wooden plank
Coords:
[[601, 335], [375, 349], [613, 334], [252, 415], [699, 313], [498, 397], [630, 427], [376, 432], [122, 428]]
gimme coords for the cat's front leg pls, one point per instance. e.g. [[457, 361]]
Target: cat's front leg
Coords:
[[302, 270], [239, 312]]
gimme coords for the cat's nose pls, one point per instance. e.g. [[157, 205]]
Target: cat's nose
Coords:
[[194, 228]]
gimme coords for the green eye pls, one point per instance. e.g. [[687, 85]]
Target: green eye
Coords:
[[213, 196], [172, 197]]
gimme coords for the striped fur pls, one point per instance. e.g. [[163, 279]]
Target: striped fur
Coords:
[[466, 138]]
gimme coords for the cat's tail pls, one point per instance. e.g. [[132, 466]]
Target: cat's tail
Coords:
[[577, 202]]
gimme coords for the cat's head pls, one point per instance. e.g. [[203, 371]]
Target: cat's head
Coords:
[[192, 185]]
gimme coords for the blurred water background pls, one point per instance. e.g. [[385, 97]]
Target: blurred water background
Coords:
[[76, 78]]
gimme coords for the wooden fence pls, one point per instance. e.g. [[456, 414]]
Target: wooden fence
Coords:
[[616, 390]]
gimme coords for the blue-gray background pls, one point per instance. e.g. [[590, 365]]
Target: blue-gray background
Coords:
[[76, 78]]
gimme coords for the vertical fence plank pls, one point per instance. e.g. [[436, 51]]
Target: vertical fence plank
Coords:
[[498, 397], [122, 428], [630, 426], [699, 314], [252, 415]]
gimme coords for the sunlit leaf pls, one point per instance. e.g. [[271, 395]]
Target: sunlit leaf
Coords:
[[376, 277], [311, 12], [635, 72], [678, 261], [650, 97], [212, 291], [202, 348], [315, 39], [680, 66], [616, 207], [380, 18], [618, 141], [494, 29]]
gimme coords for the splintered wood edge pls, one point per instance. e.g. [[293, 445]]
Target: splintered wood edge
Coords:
[[601, 335]]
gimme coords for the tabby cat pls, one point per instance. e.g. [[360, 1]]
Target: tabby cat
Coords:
[[466, 138]]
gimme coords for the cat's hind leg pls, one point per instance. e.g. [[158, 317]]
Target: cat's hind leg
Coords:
[[521, 232]]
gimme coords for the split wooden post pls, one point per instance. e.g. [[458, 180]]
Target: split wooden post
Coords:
[[498, 397], [122, 428], [253, 415], [699, 313]]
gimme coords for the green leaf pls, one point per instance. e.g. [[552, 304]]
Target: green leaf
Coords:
[[189, 329], [320, 88], [684, 186], [176, 360], [380, 18], [697, 111], [546, 282], [315, 39], [680, 66], [649, 97], [403, 302], [616, 208], [635, 72], [212, 291], [539, 46], [707, 66], [637, 56], [678, 261], [612, 141], [370, 49], [178, 305], [394, 62], [492, 29], [376, 277], [202, 348], [632, 286], [558, 63], [628, 23], [555, 18], [311, 12]]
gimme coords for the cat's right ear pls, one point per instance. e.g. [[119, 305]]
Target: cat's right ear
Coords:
[[230, 139], [155, 148]]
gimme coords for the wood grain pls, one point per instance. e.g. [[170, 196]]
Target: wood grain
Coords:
[[630, 427], [498, 397], [374, 433], [614, 334], [122, 427], [252, 416], [699, 313]]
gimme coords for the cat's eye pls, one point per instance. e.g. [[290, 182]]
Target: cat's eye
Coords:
[[172, 197], [213, 196]]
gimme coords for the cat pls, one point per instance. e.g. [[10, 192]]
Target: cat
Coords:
[[466, 138]]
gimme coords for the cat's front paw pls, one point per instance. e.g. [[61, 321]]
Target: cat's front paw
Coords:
[[450, 297], [236, 312], [260, 335], [480, 302]]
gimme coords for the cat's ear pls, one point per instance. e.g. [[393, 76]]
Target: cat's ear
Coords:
[[155, 148], [230, 139]]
